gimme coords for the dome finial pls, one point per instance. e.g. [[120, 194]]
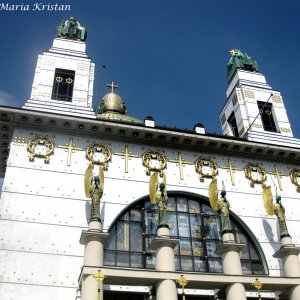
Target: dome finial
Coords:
[[112, 85]]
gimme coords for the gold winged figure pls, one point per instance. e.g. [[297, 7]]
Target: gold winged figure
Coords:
[[158, 194], [220, 204], [276, 209], [213, 194], [93, 185]]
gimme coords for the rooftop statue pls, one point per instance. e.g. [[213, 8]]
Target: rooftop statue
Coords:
[[71, 29], [240, 60]]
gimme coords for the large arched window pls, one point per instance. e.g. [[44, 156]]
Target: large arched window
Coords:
[[192, 221]]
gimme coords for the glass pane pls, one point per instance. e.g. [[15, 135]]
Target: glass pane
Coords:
[[207, 210], [182, 204], [186, 263], [195, 221], [194, 207], [110, 258], [214, 265], [150, 261], [171, 217], [151, 222], [148, 241], [253, 253], [211, 246], [125, 216], [212, 227], [135, 215], [197, 248], [200, 265], [122, 259], [136, 260], [183, 225], [111, 241], [177, 263], [171, 205], [246, 267], [123, 236], [244, 253], [136, 237], [185, 247], [258, 268], [148, 205], [240, 238], [176, 249], [233, 227]]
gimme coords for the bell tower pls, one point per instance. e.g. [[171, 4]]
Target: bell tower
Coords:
[[64, 75], [253, 110]]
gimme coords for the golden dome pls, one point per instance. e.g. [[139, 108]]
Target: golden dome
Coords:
[[112, 102], [113, 108]]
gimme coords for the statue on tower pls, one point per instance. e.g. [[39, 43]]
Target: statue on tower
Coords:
[[94, 185], [221, 205], [276, 209], [71, 29], [240, 60]]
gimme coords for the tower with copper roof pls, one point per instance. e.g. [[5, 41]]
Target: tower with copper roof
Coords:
[[253, 109]]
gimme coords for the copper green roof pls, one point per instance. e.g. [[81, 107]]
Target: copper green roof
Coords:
[[240, 60]]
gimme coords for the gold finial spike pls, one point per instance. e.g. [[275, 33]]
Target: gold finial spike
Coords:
[[233, 52], [113, 86], [257, 285], [182, 281]]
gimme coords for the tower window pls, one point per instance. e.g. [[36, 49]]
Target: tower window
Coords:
[[233, 125], [266, 114], [63, 85]]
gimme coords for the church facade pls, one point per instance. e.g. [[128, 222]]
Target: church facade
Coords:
[[103, 204]]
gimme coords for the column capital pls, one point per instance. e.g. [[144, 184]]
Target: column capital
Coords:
[[93, 235], [159, 242], [225, 247], [286, 250]]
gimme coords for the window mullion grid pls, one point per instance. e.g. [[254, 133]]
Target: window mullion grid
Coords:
[[204, 239], [190, 229]]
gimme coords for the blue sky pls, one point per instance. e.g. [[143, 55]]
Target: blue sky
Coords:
[[168, 57]]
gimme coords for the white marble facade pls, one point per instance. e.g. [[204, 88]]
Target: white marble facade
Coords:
[[44, 209]]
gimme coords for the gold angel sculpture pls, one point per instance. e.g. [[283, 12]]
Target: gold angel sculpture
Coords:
[[276, 209], [220, 204], [93, 186], [158, 195]]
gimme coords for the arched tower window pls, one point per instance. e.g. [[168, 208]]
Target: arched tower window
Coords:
[[192, 221]]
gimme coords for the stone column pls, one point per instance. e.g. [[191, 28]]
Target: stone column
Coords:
[[93, 239], [230, 250], [288, 252], [164, 261]]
